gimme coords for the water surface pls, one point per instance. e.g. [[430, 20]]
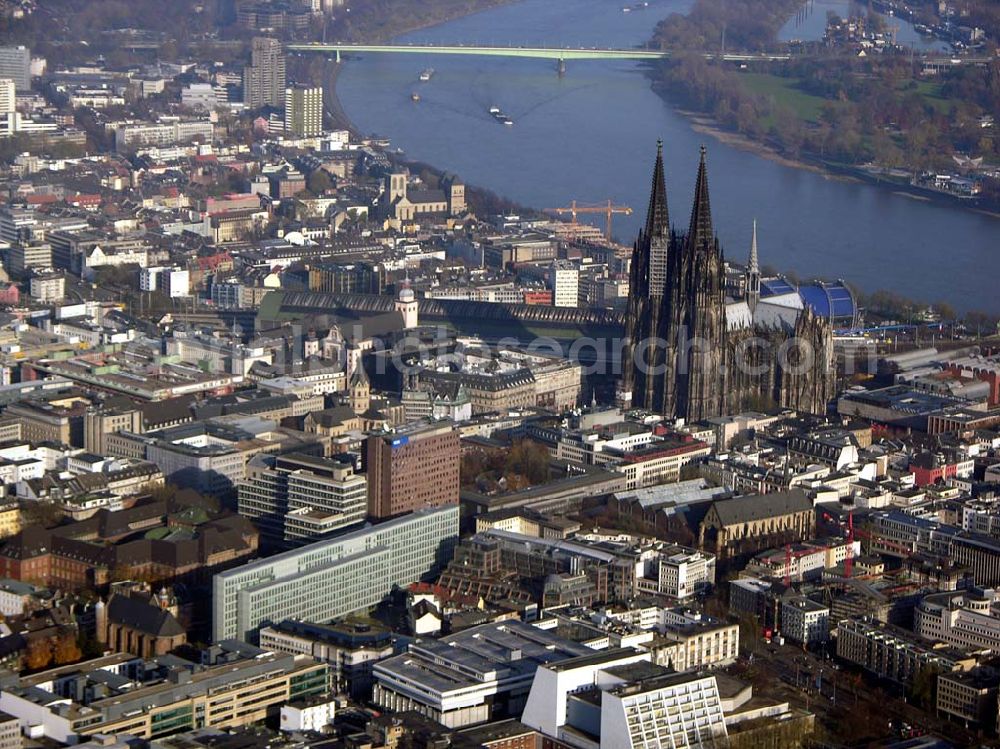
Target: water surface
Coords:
[[591, 135]]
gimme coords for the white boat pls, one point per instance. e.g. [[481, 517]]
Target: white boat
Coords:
[[494, 111], [427, 74]]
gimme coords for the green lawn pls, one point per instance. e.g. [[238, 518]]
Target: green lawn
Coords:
[[931, 91], [786, 93]]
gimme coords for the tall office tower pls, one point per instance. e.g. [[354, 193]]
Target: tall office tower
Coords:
[[412, 469], [15, 63], [303, 111], [8, 92], [565, 283], [264, 77]]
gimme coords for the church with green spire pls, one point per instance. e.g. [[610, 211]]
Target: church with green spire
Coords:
[[690, 351]]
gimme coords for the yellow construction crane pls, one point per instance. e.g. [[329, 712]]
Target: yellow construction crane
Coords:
[[608, 209]]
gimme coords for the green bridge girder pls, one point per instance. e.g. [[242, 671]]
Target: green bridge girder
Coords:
[[540, 53]]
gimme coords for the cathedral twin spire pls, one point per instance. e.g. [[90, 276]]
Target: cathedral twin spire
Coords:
[[657, 216], [680, 357], [700, 233]]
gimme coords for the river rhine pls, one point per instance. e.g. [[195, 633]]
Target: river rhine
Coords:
[[591, 136]]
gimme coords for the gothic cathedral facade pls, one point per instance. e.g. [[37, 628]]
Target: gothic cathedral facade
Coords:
[[692, 353]]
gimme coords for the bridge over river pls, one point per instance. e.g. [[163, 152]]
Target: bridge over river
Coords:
[[559, 54]]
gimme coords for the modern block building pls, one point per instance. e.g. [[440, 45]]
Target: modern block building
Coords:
[[894, 653], [618, 699], [980, 553], [687, 640], [133, 135], [477, 675], [10, 732], [805, 621], [8, 96], [329, 579], [264, 77], [351, 649], [235, 685], [15, 64], [671, 710], [969, 696], [295, 498], [966, 619], [47, 287], [303, 111], [565, 284], [412, 468], [677, 572]]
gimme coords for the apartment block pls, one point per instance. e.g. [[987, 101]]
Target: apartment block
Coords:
[[303, 111], [264, 78], [894, 653]]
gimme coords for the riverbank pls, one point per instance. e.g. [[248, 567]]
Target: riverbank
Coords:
[[390, 33], [706, 125], [334, 109], [702, 123]]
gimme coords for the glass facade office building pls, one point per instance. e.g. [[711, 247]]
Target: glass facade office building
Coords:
[[332, 578]]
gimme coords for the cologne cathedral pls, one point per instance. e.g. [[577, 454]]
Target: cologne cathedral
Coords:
[[691, 351]]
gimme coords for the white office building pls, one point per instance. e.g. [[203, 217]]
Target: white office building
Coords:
[[968, 619], [465, 678], [15, 64], [303, 111], [618, 700], [565, 284], [804, 621], [332, 578], [8, 96]]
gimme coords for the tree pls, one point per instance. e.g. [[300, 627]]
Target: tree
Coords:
[[528, 459], [945, 311], [319, 182], [923, 687], [42, 512], [38, 654], [65, 649]]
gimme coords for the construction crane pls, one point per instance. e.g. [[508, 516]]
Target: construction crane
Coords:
[[608, 209]]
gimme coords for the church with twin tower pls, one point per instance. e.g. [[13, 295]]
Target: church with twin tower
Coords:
[[690, 351]]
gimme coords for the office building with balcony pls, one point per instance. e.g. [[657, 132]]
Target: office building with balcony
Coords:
[[894, 653], [296, 498]]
